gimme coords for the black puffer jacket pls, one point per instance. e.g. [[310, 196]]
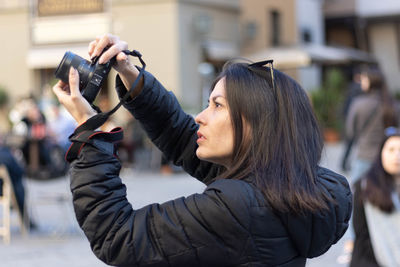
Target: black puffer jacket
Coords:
[[229, 224]]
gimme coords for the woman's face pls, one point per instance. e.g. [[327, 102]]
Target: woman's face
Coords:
[[215, 134], [364, 82], [391, 155]]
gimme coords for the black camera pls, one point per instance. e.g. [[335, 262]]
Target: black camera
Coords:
[[91, 74]]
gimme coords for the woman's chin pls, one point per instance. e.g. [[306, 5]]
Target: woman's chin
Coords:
[[202, 156], [199, 154]]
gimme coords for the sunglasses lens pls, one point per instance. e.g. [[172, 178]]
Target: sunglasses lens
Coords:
[[263, 64]]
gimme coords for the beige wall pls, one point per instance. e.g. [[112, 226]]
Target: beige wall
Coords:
[[223, 26], [257, 11], [151, 29], [162, 30], [14, 75], [189, 48]]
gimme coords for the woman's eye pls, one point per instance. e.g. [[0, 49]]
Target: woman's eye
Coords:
[[217, 105]]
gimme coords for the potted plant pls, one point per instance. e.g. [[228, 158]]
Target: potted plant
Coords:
[[327, 102], [3, 97]]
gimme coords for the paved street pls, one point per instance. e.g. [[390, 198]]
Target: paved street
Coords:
[[59, 241]]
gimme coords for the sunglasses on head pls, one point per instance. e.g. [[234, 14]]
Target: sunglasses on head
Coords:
[[262, 65]]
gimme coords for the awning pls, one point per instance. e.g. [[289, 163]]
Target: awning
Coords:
[[305, 55], [50, 57], [220, 50]]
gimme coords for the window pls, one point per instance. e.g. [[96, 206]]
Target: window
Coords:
[[275, 25], [306, 36]]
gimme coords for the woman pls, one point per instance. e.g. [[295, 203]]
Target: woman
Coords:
[[369, 114], [256, 146], [376, 207]]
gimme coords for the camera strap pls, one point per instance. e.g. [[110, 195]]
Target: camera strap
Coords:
[[86, 132]]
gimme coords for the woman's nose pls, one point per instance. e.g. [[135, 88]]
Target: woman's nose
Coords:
[[199, 119]]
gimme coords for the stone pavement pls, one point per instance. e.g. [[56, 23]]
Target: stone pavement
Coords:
[[58, 241]]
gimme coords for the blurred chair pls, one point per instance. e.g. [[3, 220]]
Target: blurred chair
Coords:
[[8, 200], [50, 203]]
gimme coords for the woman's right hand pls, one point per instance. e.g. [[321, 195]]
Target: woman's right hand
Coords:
[[128, 72], [71, 98]]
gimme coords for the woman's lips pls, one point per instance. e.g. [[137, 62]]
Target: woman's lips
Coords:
[[200, 137]]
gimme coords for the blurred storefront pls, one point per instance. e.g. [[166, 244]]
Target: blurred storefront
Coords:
[[292, 33], [184, 42], [281, 30], [174, 36], [372, 26]]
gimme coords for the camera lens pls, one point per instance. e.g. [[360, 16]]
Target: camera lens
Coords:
[[84, 67]]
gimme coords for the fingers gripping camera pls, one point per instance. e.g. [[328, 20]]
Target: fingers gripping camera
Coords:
[[92, 74]]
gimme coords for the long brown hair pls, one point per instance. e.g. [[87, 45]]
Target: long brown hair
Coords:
[[285, 143]]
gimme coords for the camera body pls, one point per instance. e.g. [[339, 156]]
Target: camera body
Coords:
[[91, 74]]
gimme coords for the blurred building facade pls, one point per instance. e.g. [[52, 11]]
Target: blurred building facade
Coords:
[[369, 25], [185, 42], [174, 36], [270, 28]]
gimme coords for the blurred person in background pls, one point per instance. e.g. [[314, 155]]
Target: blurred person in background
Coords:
[[59, 122], [16, 173], [353, 90], [60, 125], [134, 140], [376, 218], [31, 125], [15, 170], [256, 146], [369, 114], [43, 130]]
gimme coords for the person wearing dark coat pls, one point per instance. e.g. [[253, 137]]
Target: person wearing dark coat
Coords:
[[256, 147]]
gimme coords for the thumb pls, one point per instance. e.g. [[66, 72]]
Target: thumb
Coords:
[[122, 57], [74, 82]]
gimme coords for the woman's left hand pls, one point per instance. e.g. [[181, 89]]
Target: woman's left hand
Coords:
[[115, 47], [71, 98]]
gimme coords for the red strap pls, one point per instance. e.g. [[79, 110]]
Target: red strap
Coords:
[[86, 137]]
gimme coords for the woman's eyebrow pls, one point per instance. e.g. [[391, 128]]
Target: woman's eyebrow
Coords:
[[215, 97]]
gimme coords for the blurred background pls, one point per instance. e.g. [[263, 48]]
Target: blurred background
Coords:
[[185, 43]]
